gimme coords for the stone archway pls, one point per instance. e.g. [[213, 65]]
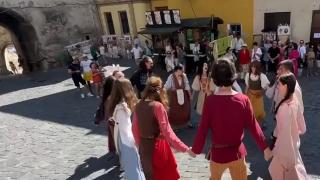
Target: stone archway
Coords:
[[23, 36]]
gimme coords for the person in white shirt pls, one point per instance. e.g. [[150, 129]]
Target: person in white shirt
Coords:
[[256, 52], [168, 47], [136, 41], [86, 72], [302, 50], [237, 43], [137, 53], [196, 52]]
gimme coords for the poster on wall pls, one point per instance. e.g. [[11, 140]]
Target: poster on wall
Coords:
[[283, 30], [157, 16], [167, 17], [176, 16], [149, 18]]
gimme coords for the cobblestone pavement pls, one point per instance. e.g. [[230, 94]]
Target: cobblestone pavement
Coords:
[[47, 132]]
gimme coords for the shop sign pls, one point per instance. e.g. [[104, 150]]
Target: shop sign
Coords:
[[316, 35]]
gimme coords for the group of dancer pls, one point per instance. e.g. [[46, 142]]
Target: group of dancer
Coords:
[[143, 142]]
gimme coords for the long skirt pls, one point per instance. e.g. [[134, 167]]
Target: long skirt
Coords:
[[200, 102], [157, 160], [256, 99], [297, 172], [111, 144], [179, 115], [130, 161]]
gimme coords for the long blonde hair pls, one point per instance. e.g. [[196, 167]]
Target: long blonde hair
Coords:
[[122, 91], [154, 90]]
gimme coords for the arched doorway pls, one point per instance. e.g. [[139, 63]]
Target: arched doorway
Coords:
[[24, 38]]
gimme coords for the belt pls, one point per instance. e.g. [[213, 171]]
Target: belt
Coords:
[[152, 137], [220, 146]]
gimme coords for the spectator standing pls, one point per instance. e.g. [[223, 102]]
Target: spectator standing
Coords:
[[302, 52], [86, 71], [274, 54], [140, 77], [148, 48], [282, 48], [265, 63], [318, 58], [256, 53], [244, 60], [74, 70], [294, 57], [137, 53], [230, 55], [97, 78], [311, 58], [237, 44]]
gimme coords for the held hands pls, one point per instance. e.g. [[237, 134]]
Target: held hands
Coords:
[[191, 153], [267, 154]]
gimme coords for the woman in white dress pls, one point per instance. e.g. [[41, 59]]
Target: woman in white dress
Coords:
[[122, 102], [203, 84]]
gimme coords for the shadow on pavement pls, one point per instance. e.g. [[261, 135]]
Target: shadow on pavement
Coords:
[[107, 163], [14, 83], [64, 108]]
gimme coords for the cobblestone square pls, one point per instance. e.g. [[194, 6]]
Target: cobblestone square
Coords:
[[47, 132]]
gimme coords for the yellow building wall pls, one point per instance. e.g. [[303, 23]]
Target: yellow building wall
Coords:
[[135, 13], [231, 11], [139, 13], [159, 3], [114, 9]]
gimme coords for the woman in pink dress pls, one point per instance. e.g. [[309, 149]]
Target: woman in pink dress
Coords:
[[293, 56], [287, 162]]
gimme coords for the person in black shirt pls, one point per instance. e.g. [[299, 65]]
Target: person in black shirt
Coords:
[[75, 70], [274, 54], [140, 77]]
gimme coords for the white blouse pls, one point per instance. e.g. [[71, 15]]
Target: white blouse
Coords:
[[170, 83], [264, 80], [123, 125]]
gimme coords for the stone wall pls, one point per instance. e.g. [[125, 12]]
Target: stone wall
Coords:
[[58, 22]]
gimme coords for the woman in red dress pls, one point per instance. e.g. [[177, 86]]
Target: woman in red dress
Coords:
[[153, 134]]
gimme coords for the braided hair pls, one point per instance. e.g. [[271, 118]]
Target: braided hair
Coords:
[[290, 81]]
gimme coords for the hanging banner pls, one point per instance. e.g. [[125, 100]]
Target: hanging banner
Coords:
[[220, 46], [165, 17]]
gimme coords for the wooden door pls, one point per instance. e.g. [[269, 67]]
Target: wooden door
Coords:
[[315, 27]]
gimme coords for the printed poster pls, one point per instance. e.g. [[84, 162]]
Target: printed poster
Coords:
[[157, 16]]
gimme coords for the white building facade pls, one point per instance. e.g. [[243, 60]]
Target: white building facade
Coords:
[[303, 17]]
